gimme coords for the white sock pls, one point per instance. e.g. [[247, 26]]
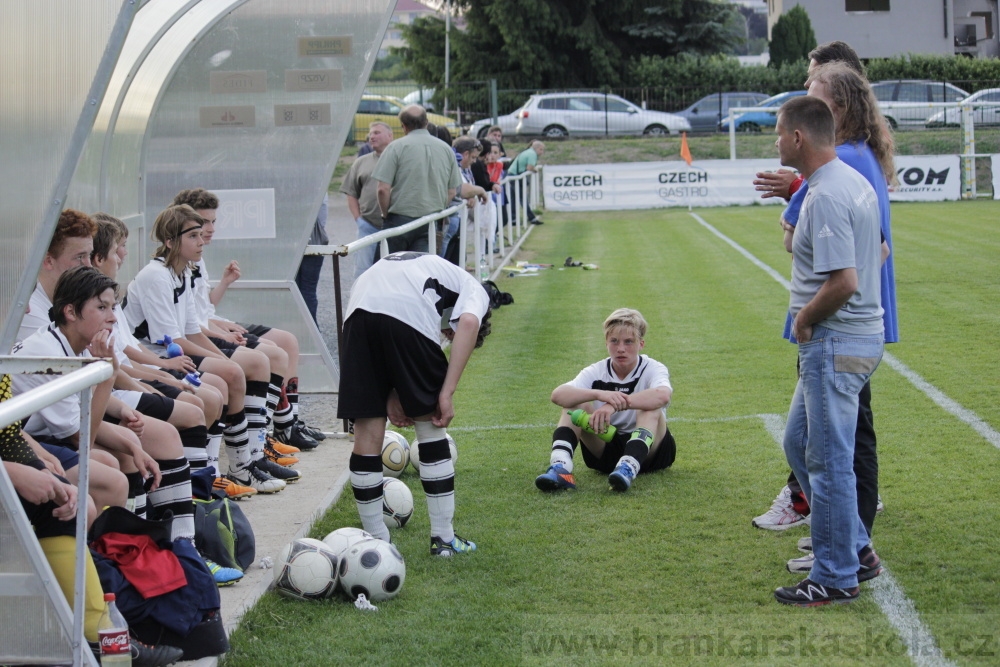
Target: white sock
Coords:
[[562, 454], [631, 462]]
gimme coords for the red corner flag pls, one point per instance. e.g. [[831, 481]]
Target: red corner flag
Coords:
[[685, 150]]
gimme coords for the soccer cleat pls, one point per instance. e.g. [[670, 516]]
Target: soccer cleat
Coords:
[[281, 448], [233, 490], [879, 506], [808, 593], [160, 655], [255, 477], [621, 478], [555, 479], [801, 565], [295, 437], [782, 515], [276, 457], [287, 475], [224, 576], [313, 433], [448, 549], [871, 564], [805, 544]]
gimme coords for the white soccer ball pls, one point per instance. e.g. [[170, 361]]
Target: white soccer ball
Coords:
[[395, 454], [415, 452], [342, 539], [306, 570], [397, 503], [373, 568]]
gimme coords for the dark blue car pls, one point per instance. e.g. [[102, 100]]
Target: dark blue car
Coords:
[[754, 121]]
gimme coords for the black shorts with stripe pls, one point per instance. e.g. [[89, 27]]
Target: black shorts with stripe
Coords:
[[380, 354], [614, 450], [168, 390], [150, 405]]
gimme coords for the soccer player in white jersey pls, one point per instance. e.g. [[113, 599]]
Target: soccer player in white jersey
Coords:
[[393, 366], [629, 391]]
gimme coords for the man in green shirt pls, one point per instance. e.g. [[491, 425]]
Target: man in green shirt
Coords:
[[527, 160], [417, 175]]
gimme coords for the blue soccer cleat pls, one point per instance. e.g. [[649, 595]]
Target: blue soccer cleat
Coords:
[[555, 478], [621, 478]]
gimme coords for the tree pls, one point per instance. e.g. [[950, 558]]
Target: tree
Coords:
[[792, 37]]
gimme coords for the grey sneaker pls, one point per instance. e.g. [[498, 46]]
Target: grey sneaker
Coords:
[[256, 478], [782, 515]]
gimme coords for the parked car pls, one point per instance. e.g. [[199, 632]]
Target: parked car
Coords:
[[706, 114], [754, 121], [986, 113], [386, 109], [424, 94], [581, 114], [906, 101], [507, 123]]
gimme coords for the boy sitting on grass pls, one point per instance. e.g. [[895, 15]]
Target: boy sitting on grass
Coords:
[[629, 391]]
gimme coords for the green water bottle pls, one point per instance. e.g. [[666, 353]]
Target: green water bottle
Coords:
[[582, 419]]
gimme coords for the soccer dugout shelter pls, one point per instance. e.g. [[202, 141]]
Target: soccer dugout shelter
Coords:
[[117, 105]]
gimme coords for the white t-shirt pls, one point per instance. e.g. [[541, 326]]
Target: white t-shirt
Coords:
[[647, 374], [202, 294], [61, 419], [416, 288], [161, 303], [37, 316]]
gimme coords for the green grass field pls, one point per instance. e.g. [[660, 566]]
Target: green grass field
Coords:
[[673, 572]]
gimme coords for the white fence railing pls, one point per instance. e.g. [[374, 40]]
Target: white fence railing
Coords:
[[76, 380]]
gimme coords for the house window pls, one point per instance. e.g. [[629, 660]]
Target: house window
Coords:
[[866, 5]]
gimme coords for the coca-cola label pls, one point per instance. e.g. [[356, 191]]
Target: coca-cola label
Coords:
[[115, 642]]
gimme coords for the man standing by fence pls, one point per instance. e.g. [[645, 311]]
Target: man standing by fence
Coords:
[[362, 193], [417, 175], [527, 160]]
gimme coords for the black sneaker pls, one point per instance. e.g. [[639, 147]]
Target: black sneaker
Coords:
[[146, 655], [871, 564], [313, 433], [448, 549], [286, 475], [295, 437], [808, 593]]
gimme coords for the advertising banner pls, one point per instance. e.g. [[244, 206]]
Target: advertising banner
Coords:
[[633, 185]]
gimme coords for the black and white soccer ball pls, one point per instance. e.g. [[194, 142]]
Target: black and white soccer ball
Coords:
[[342, 539], [373, 568], [395, 454], [415, 452], [397, 503], [306, 570]]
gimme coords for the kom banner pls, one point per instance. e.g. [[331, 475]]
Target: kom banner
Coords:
[[602, 187]]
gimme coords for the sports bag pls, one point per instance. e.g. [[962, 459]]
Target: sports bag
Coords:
[[222, 533]]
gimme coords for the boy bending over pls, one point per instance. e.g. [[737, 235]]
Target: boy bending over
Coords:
[[629, 391]]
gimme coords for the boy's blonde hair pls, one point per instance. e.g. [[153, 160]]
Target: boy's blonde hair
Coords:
[[168, 226], [626, 317]]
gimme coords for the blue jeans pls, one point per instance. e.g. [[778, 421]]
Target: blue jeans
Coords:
[[819, 446], [364, 258], [452, 228], [307, 279]]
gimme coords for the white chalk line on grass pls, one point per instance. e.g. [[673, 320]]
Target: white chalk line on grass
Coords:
[[670, 420], [889, 596], [949, 405]]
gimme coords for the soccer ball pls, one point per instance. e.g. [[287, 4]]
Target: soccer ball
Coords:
[[342, 539], [397, 503], [415, 452], [306, 570], [373, 568], [395, 454]]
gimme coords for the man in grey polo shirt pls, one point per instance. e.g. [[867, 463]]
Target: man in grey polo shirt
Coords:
[[836, 314], [417, 175], [362, 193]]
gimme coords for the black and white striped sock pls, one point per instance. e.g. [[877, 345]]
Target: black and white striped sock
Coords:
[[366, 481], [174, 494]]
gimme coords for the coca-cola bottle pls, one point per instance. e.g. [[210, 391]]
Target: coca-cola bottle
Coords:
[[112, 633]]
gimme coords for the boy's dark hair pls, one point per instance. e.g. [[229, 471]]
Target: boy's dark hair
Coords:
[[485, 328], [197, 198], [486, 146], [107, 237], [107, 217], [837, 51], [72, 224], [75, 288]]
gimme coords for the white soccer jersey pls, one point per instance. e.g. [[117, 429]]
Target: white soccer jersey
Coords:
[[647, 374], [416, 288], [161, 303], [202, 294], [61, 419], [37, 316]]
